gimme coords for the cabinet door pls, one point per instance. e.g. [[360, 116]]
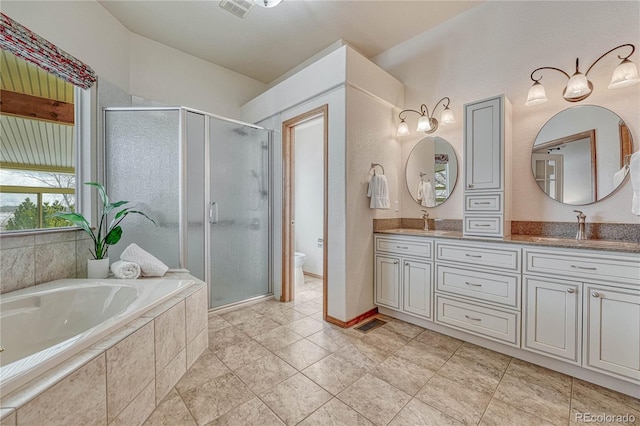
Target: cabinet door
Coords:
[[416, 280], [612, 322], [552, 317], [388, 281], [483, 145]]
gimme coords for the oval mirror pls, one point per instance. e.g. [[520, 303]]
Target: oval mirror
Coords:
[[432, 171], [581, 155]]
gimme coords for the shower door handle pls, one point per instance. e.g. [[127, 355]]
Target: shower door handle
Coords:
[[213, 212]]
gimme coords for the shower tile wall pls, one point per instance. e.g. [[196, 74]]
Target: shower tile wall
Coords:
[[34, 259]]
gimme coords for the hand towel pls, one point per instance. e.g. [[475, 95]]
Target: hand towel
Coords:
[[378, 192], [149, 265], [429, 199], [420, 191], [634, 171], [619, 176], [126, 270]]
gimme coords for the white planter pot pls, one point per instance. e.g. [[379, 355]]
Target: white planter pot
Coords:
[[98, 268]]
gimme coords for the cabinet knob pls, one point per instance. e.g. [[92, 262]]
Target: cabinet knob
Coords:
[[571, 290], [595, 294], [406, 263], [470, 185], [395, 263]]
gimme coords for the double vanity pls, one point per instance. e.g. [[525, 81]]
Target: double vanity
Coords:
[[573, 306], [566, 304]]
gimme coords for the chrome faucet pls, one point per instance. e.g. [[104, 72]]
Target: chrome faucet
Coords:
[[581, 235], [425, 217]]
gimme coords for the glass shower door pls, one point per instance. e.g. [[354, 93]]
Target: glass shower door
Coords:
[[238, 213]]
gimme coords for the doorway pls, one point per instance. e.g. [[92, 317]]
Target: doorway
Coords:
[[305, 147]]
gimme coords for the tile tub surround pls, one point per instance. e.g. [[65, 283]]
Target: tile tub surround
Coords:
[[117, 380], [399, 374], [27, 260]]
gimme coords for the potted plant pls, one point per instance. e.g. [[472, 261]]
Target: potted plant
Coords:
[[106, 236]]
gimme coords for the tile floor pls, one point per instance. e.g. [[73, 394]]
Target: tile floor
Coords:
[[273, 363]]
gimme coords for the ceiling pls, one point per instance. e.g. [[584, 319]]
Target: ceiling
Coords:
[[267, 43]]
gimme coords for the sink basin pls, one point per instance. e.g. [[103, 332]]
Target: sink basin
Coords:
[[418, 232], [542, 239]]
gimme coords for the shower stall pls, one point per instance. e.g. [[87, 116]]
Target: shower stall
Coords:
[[205, 181]]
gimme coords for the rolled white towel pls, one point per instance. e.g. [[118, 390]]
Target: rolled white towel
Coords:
[[126, 270], [150, 265]]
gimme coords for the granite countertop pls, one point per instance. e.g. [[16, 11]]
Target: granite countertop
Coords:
[[604, 245]]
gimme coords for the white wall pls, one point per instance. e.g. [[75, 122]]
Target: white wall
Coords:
[[309, 193], [83, 29], [491, 49], [167, 75]]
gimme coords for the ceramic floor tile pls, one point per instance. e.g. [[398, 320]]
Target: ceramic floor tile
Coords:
[[403, 374], [435, 339], [334, 373], [540, 376], [306, 326], [241, 315], [252, 413], [308, 308], [216, 397], [335, 413], [216, 323], [278, 338], [484, 356], [385, 339], [287, 316], [375, 399], [404, 328], [207, 367], [456, 400], [241, 354], [363, 354], [265, 373], [331, 340], [302, 354], [431, 357], [417, 412], [171, 412], [295, 398], [229, 336], [498, 414], [594, 399], [543, 402], [257, 326], [472, 374]]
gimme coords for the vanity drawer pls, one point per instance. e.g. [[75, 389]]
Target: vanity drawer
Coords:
[[495, 324], [585, 265], [407, 247], [489, 226], [482, 255], [477, 203], [491, 287]]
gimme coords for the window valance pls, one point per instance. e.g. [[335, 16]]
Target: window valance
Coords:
[[29, 46]]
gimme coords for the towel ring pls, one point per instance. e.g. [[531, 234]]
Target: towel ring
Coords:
[[422, 175], [373, 166]]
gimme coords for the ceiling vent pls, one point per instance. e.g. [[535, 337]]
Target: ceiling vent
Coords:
[[240, 8]]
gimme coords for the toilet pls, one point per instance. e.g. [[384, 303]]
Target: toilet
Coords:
[[299, 261]]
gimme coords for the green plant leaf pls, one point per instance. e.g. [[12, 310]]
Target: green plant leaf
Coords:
[[112, 206], [101, 191], [113, 236], [77, 219]]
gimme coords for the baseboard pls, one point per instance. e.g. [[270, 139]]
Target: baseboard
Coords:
[[352, 322], [312, 275]]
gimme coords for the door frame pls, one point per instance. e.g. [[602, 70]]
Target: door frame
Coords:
[[288, 202]]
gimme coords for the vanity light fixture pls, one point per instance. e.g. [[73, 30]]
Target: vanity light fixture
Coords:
[[579, 87], [427, 123]]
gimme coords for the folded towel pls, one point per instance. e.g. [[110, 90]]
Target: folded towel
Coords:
[[619, 176], [420, 191], [378, 192], [125, 270], [150, 266], [429, 199], [634, 171]]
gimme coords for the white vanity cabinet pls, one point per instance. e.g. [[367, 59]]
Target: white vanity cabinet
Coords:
[[587, 303], [487, 159], [478, 289], [403, 274]]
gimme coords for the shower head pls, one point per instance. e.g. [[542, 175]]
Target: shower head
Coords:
[[240, 131]]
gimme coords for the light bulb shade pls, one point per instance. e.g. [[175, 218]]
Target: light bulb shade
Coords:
[[625, 74], [423, 124], [446, 118], [403, 128], [267, 3], [536, 95], [578, 88]]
